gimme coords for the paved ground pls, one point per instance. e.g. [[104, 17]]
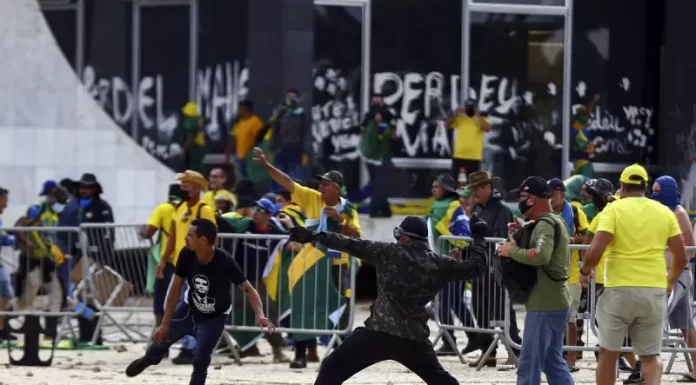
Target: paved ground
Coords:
[[106, 368]]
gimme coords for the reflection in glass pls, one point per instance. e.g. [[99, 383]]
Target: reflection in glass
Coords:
[[337, 90], [521, 2], [516, 76]]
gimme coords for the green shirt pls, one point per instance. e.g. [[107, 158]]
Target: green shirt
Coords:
[[547, 295], [590, 210]]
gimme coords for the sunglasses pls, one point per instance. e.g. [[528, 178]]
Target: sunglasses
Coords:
[[258, 209]]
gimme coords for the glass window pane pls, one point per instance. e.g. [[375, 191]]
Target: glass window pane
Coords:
[[337, 95], [164, 74], [516, 77], [417, 71], [619, 60], [521, 2], [222, 70], [63, 25]]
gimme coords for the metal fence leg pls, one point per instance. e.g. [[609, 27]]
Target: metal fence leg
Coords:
[[484, 356], [450, 341], [232, 345]]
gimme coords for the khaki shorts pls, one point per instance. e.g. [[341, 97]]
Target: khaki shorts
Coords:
[[636, 311], [575, 294]]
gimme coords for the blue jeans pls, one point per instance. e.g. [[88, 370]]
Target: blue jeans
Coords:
[[207, 330], [6, 290], [289, 162], [188, 342], [542, 344]]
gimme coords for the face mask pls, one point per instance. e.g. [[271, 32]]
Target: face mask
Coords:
[[84, 202], [58, 207], [523, 207], [469, 111]]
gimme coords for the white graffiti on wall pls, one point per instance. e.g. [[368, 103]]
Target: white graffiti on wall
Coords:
[[422, 102], [218, 91], [335, 115]]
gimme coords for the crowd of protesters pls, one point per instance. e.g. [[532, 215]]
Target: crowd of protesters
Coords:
[[626, 231]]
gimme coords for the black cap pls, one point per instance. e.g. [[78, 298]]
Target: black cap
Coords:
[[331, 176], [602, 187], [536, 186], [447, 182], [556, 184], [416, 226]]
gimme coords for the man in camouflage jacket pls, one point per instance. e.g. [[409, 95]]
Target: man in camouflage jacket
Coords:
[[409, 275]]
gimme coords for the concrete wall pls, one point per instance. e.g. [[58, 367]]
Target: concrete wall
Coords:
[[51, 128]]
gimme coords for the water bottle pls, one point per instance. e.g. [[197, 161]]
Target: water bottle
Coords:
[[81, 308]]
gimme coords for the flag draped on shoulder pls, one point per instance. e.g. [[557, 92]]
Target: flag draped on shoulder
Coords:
[[317, 302]]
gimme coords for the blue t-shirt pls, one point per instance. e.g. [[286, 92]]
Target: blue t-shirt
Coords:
[[567, 216]]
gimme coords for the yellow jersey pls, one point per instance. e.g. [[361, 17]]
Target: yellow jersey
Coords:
[[636, 254], [312, 204], [600, 270], [468, 138], [183, 216], [244, 133], [574, 273], [161, 219]]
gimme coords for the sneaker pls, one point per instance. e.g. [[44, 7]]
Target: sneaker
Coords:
[[136, 367], [298, 363], [185, 357], [634, 378]]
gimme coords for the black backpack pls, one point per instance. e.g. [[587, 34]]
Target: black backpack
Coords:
[[519, 279]]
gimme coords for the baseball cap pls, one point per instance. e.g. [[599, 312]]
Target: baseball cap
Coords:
[[634, 174], [331, 176], [536, 186], [48, 187], [415, 226], [603, 188], [556, 184], [266, 205]]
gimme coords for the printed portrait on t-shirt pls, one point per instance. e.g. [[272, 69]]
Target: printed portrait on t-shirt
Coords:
[[201, 300]]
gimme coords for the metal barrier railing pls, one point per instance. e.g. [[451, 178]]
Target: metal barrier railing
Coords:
[[304, 289], [304, 292], [505, 329], [44, 266]]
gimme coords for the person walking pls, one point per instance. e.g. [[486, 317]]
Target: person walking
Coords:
[[409, 275], [210, 273], [548, 304], [632, 234], [191, 208], [679, 314]]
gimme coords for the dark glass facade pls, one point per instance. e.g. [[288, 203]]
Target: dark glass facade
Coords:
[[626, 51]]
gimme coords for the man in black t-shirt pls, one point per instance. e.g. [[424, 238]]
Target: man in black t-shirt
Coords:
[[210, 273]]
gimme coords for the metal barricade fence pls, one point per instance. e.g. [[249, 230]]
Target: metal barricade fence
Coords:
[[123, 269], [305, 290], [504, 327], [45, 269], [481, 318]]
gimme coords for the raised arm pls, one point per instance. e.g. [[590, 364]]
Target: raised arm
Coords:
[[278, 176], [469, 268], [375, 252]]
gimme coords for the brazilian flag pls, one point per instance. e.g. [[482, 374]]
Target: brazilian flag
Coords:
[[246, 317], [316, 300]]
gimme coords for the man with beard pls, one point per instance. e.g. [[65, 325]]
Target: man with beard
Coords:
[[488, 298]]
